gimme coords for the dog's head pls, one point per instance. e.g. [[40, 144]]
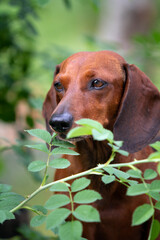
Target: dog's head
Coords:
[[103, 87]]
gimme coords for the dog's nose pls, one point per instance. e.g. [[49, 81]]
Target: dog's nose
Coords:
[[61, 122]]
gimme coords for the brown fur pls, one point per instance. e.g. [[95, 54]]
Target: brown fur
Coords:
[[129, 106]]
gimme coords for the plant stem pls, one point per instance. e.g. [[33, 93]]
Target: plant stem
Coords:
[[151, 228], [100, 166], [110, 159], [45, 172], [72, 203]]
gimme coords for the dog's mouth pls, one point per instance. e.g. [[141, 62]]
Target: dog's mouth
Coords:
[[62, 136]]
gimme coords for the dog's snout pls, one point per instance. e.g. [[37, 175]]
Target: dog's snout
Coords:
[[61, 122]]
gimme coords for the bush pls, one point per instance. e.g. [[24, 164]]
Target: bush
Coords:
[[54, 212]]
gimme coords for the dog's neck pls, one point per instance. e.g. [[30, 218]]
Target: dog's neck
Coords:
[[92, 152]]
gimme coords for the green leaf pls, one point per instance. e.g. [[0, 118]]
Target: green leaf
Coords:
[[118, 143], [156, 145], [150, 174], [70, 230], [40, 208], [137, 189], [134, 173], [154, 230], [118, 173], [108, 179], [5, 187], [56, 217], [157, 205], [91, 127], [59, 187], [37, 220], [109, 170], [158, 168], [2, 216], [87, 213], [79, 131], [61, 150], [155, 186], [10, 201], [155, 155], [60, 143], [155, 195], [40, 133], [59, 163], [36, 166], [122, 152], [40, 147], [100, 136], [79, 184], [131, 182], [87, 196], [6, 195], [56, 201], [90, 123], [6, 215], [142, 214]]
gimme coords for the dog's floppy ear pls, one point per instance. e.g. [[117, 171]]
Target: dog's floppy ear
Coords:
[[50, 102], [138, 120]]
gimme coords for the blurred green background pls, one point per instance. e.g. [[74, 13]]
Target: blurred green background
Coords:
[[35, 35]]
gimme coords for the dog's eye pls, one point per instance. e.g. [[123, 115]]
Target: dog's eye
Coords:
[[98, 83], [58, 86]]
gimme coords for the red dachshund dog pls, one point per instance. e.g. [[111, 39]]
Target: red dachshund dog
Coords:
[[103, 87]]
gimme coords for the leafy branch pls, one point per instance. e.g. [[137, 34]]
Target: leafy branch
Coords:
[[76, 193]]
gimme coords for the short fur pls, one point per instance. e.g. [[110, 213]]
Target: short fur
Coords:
[[129, 106]]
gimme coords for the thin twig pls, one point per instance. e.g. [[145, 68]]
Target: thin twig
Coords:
[[90, 171]]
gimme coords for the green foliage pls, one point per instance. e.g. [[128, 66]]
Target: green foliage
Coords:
[[30, 234], [5, 215], [60, 187], [137, 189], [40, 147], [108, 179], [150, 174], [39, 209], [55, 218], [59, 163], [16, 50], [87, 196], [61, 150], [40, 133], [87, 213], [142, 214], [37, 220], [56, 201], [155, 186], [70, 230], [135, 173], [80, 184], [8, 200], [36, 166], [154, 230], [76, 192], [5, 187]]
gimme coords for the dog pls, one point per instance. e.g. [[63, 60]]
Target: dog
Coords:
[[102, 86]]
